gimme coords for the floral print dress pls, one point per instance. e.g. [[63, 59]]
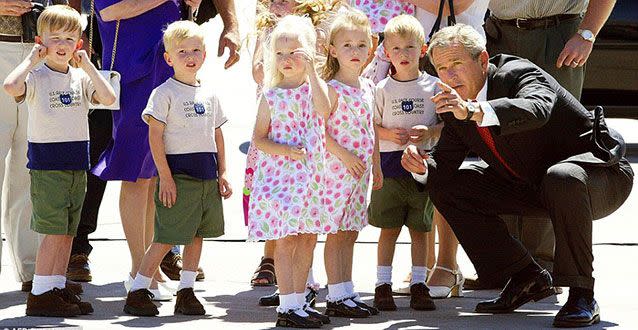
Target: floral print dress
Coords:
[[351, 126], [379, 12], [287, 196]]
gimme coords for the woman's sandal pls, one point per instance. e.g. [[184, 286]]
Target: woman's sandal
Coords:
[[265, 271]]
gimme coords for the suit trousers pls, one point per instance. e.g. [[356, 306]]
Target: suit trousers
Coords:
[[572, 194], [542, 47], [16, 208], [100, 130]]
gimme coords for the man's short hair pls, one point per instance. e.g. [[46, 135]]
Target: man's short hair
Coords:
[[462, 34], [59, 18], [179, 31], [405, 26]]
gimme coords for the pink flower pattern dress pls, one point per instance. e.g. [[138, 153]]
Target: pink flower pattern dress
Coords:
[[287, 196], [379, 12], [351, 126]]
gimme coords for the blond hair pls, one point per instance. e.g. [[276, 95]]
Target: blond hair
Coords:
[[351, 19], [462, 34], [59, 18], [405, 26], [179, 31], [292, 26]]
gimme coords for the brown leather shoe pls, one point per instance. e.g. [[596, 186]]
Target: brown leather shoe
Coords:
[[67, 295], [73, 286], [420, 298], [383, 299], [78, 269], [200, 274], [171, 265], [139, 303], [50, 304], [187, 304]]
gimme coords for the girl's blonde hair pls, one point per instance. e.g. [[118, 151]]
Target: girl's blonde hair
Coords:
[[350, 19], [59, 18], [317, 10], [291, 26]]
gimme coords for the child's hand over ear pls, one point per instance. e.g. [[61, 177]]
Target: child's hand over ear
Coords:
[[82, 59], [38, 53]]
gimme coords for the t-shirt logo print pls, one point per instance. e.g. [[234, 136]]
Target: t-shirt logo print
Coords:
[[66, 98], [407, 106], [200, 109]]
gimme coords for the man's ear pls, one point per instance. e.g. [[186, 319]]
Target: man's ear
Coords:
[[484, 57], [168, 59], [79, 45], [38, 40]]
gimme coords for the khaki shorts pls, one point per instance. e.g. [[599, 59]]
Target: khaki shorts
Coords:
[[197, 212], [400, 203], [57, 198]]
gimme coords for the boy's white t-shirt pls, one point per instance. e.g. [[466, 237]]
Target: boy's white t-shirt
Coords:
[[404, 104], [58, 128], [191, 115]]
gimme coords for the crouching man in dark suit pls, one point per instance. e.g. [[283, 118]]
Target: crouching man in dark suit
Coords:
[[541, 151]]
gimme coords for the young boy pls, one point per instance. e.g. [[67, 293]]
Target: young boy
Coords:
[[57, 98], [404, 115], [187, 144]]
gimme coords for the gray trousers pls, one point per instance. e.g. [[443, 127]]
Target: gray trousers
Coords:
[[542, 47]]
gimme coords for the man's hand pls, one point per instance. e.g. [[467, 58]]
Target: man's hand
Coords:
[[229, 39], [168, 191], [224, 187], [575, 53], [448, 100], [14, 7], [414, 161]]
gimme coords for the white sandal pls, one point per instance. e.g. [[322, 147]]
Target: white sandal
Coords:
[[441, 291]]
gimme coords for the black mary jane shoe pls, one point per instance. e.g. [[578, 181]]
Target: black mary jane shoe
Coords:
[[340, 309], [371, 309], [291, 319], [519, 292], [324, 319], [578, 312], [311, 297], [269, 300]]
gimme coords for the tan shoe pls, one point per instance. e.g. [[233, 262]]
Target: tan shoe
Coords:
[[78, 269], [383, 299], [187, 304], [420, 298], [139, 303], [50, 304]]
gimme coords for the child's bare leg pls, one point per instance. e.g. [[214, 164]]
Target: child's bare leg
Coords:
[[50, 257], [332, 258], [385, 248], [284, 251], [149, 264], [349, 239], [192, 254], [269, 249], [419, 248], [302, 259], [430, 238]]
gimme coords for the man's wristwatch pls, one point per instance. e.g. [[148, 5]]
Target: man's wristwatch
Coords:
[[587, 35], [471, 110]]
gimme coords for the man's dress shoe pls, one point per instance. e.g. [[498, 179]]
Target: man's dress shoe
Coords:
[[519, 292], [579, 312]]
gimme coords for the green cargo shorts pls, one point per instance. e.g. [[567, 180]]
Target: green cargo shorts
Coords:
[[197, 212], [57, 198], [399, 203]]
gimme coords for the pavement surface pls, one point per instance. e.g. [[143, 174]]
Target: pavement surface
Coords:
[[231, 303]]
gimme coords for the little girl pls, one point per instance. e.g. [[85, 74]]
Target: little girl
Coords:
[[287, 201], [269, 12], [352, 153]]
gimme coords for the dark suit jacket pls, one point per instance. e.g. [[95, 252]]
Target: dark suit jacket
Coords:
[[541, 124]]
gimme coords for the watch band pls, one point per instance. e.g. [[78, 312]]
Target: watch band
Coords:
[[471, 110]]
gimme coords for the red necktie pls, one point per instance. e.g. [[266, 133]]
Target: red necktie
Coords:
[[486, 135]]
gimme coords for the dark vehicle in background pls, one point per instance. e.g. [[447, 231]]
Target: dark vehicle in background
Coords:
[[611, 75]]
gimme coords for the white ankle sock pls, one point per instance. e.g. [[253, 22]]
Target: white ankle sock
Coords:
[[186, 279], [349, 287], [301, 298], [310, 282], [287, 302], [60, 281], [336, 292], [419, 274], [384, 275], [42, 284], [141, 282]]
